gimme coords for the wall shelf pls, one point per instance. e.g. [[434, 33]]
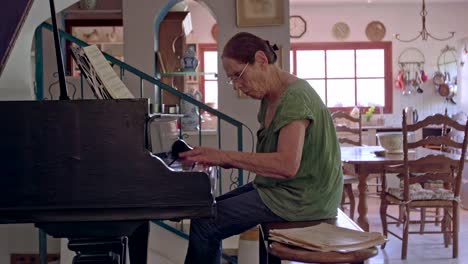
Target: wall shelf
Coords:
[[183, 73]]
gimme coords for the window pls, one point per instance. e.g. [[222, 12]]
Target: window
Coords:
[[208, 82], [346, 74]]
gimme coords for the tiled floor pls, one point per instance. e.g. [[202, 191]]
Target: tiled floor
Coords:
[[427, 249], [422, 249]]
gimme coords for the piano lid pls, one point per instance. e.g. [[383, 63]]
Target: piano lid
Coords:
[[12, 16]]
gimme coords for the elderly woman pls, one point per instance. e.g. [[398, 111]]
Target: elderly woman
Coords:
[[297, 162]]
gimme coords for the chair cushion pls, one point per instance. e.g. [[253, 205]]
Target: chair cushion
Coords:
[[417, 192]]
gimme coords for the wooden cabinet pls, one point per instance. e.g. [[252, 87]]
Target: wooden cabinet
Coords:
[[171, 47]]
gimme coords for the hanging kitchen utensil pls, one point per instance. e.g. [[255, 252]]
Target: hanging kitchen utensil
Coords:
[[411, 61], [423, 76], [418, 82], [447, 77], [448, 67], [399, 83], [439, 78], [452, 92]]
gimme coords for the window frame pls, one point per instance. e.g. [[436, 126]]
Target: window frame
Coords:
[[388, 76], [201, 48]]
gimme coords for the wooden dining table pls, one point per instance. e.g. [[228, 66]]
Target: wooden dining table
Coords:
[[364, 161]]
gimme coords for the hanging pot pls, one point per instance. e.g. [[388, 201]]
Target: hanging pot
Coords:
[[439, 78], [443, 90]]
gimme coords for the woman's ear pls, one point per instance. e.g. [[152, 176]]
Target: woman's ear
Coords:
[[261, 58]]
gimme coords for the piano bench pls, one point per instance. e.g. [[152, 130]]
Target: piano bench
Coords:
[[271, 252]]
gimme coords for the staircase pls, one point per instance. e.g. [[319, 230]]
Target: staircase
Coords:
[[168, 240]]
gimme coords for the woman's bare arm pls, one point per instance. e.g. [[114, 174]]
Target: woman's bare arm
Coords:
[[283, 163]]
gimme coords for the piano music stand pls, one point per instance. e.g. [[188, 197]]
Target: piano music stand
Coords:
[[90, 74]]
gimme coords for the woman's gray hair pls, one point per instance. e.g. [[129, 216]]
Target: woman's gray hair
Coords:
[[243, 46]]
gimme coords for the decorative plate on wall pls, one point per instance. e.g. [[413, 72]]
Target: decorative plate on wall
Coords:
[[375, 31], [297, 26], [340, 30]]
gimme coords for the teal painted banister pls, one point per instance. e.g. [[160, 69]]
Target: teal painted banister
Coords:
[[39, 84], [143, 76], [141, 87], [149, 78], [42, 247], [199, 130], [239, 148]]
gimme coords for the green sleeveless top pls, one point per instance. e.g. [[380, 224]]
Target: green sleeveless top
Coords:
[[315, 192]]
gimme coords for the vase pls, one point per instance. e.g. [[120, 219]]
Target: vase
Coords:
[[190, 121], [189, 61], [88, 4]]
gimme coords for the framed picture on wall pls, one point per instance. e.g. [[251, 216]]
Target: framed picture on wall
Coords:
[[253, 13]]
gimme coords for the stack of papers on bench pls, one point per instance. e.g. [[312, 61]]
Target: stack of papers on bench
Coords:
[[326, 237]]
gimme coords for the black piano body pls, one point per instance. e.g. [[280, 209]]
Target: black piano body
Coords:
[[81, 169]]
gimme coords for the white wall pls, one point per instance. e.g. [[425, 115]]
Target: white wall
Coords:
[[463, 73], [22, 238], [16, 82], [397, 18], [202, 22]]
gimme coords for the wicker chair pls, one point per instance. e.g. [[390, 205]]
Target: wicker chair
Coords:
[[414, 175]]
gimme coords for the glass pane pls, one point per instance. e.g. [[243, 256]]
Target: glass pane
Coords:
[[370, 63], [340, 93], [310, 63], [371, 92], [291, 61], [340, 63], [319, 87], [211, 64], [211, 93]]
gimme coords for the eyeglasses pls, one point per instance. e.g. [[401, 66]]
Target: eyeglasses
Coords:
[[237, 76]]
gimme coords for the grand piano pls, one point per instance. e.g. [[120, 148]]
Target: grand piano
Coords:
[[83, 170]]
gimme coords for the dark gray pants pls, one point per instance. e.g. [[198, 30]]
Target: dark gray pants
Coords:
[[236, 212]]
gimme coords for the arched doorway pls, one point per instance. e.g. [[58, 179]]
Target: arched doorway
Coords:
[[179, 26]]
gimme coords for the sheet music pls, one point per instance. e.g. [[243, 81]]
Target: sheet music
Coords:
[[111, 82], [88, 72]]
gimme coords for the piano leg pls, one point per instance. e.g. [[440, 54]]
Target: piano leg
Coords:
[[101, 250], [138, 244]]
